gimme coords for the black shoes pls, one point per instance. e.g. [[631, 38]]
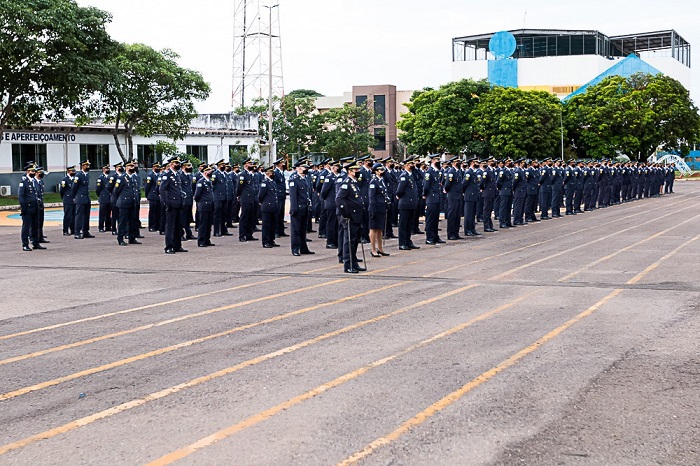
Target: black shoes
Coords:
[[78, 237], [170, 251], [489, 230], [133, 241], [413, 246], [404, 248], [122, 243], [382, 253], [88, 235], [296, 253], [181, 250], [308, 252], [331, 246], [268, 246], [26, 248], [374, 255]]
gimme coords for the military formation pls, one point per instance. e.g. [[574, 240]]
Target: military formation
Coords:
[[353, 201]]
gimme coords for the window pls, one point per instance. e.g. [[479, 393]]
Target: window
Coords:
[[97, 154], [360, 100], [147, 155], [237, 154], [380, 139], [379, 109], [25, 153], [201, 152]]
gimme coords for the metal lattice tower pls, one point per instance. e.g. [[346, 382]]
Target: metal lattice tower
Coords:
[[257, 51]]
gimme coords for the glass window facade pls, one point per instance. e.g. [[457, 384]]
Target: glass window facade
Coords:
[[25, 153], [379, 109], [146, 155], [379, 139], [97, 154], [360, 100], [201, 152]]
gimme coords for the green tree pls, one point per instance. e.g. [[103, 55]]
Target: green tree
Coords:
[[149, 94], [347, 131], [439, 120], [519, 123], [302, 93], [633, 116], [53, 55]]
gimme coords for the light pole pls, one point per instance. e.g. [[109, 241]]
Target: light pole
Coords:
[[561, 131], [269, 77]]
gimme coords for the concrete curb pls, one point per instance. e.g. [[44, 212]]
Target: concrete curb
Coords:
[[6, 208]]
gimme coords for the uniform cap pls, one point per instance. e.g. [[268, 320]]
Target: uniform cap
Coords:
[[72, 167], [202, 165], [352, 166], [222, 162], [105, 166], [155, 165], [280, 160], [85, 162], [377, 166], [116, 165], [30, 166]]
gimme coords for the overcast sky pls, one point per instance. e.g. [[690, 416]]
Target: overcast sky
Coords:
[[331, 45]]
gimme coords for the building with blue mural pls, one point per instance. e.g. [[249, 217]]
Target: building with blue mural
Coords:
[[564, 61]]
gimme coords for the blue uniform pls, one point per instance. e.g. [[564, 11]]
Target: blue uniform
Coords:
[[29, 204], [351, 208], [204, 197], [299, 211], [407, 193], [171, 196]]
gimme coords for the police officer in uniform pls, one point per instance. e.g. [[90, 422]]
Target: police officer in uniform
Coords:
[[188, 185], [504, 184], [327, 196], [407, 194], [378, 202], [570, 187], [470, 186], [453, 190], [351, 208], [299, 210], [152, 195], [519, 192], [29, 205], [204, 197], [431, 194], [245, 191], [281, 189], [267, 197], [119, 171], [104, 222], [218, 181], [66, 193], [488, 193], [171, 198], [81, 196], [41, 188], [124, 192]]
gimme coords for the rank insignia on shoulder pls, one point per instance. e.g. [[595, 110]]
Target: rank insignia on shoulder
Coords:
[[427, 176], [291, 183], [21, 185], [199, 185], [148, 180], [403, 178], [501, 174], [372, 186], [164, 178], [263, 185], [63, 183], [343, 186], [451, 175], [468, 176]]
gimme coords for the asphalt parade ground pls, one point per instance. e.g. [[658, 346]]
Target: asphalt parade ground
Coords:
[[568, 341]]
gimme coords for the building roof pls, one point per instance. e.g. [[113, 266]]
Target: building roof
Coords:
[[626, 67]]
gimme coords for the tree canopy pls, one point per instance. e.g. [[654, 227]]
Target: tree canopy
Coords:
[[53, 56], [149, 93], [518, 123], [633, 116]]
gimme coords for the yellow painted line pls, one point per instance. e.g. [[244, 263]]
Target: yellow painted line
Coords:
[[620, 251], [653, 266], [140, 308], [569, 250], [94, 370], [267, 414], [229, 370], [453, 397]]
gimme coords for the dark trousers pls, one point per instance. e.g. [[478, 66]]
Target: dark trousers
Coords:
[[480, 208], [432, 220], [504, 210], [545, 201], [578, 199], [322, 222], [245, 225], [518, 210], [68, 218], [115, 217], [41, 223], [570, 201], [124, 230], [135, 220], [82, 219], [470, 217], [497, 207], [268, 227], [389, 228], [219, 219], [279, 218], [298, 239], [331, 227], [530, 201], [186, 220], [153, 215], [406, 217], [105, 218], [30, 228], [488, 208], [228, 213], [556, 203], [350, 238], [420, 212], [204, 227], [364, 228], [452, 214], [173, 228]]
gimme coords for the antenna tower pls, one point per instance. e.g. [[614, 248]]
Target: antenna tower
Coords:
[[257, 52]]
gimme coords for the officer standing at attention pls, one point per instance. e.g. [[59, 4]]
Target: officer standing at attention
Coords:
[[570, 187], [172, 199], [245, 192], [153, 197], [102, 190], [578, 191], [41, 187], [327, 195], [124, 194], [532, 175], [81, 195], [431, 194], [557, 181], [407, 194], [488, 192], [218, 181], [204, 197], [66, 194], [299, 210], [29, 205], [545, 184], [504, 184], [268, 208], [188, 186], [453, 190], [281, 189], [519, 192], [119, 171], [470, 187], [351, 208]]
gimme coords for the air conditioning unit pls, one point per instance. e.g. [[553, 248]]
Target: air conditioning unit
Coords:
[[5, 190]]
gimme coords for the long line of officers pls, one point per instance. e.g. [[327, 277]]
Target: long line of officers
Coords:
[[352, 201]]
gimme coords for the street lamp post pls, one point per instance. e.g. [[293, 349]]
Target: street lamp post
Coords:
[[269, 77], [561, 131]]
